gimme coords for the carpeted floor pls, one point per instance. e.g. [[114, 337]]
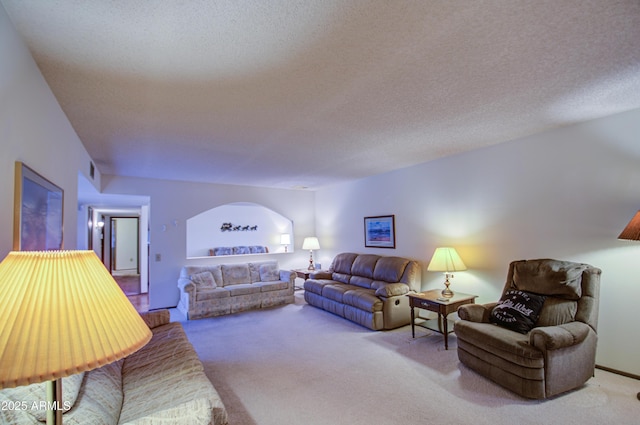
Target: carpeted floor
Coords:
[[299, 365]]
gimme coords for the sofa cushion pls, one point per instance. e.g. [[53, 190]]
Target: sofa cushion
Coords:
[[269, 271], [212, 294], [342, 263], [315, 286], [363, 299], [273, 285], [204, 280], [234, 274], [335, 291], [341, 277], [33, 394], [243, 289], [549, 277], [100, 399], [363, 282], [390, 269], [364, 265], [517, 310]]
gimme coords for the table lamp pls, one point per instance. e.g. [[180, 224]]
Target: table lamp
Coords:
[[285, 239], [311, 243], [63, 314], [446, 260]]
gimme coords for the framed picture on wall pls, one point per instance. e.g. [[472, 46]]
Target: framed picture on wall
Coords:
[[38, 212], [380, 231]]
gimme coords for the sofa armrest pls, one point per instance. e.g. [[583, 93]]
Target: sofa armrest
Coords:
[[476, 312], [156, 318], [186, 285], [560, 336], [392, 289], [321, 274], [288, 276]]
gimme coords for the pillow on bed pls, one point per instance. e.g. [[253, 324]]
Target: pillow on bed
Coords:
[[517, 310]]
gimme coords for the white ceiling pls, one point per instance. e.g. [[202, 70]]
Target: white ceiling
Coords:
[[289, 94]]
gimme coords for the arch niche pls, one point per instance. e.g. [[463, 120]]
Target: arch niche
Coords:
[[237, 229]]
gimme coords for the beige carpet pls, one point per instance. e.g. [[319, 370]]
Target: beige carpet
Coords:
[[300, 365]]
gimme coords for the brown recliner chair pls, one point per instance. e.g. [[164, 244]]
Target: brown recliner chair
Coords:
[[558, 353]]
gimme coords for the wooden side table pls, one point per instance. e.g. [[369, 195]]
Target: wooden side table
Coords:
[[434, 301], [302, 274]]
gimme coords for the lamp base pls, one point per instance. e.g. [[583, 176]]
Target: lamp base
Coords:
[[446, 292], [311, 265]]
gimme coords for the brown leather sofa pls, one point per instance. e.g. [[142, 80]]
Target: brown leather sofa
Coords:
[[367, 289], [552, 355]]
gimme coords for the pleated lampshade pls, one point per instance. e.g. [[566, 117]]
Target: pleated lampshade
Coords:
[[632, 230], [446, 259], [63, 313]]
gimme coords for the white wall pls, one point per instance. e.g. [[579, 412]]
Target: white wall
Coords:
[[172, 203], [34, 130], [563, 194]]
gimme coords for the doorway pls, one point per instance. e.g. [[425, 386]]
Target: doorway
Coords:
[[124, 248]]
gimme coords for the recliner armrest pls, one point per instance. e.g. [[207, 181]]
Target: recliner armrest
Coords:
[[560, 336], [322, 274], [476, 312], [392, 289]]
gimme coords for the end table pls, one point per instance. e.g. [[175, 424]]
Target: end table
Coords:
[[434, 301]]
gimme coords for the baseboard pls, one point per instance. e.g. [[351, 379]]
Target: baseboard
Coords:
[[618, 372]]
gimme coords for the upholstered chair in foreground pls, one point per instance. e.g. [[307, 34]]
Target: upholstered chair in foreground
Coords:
[[540, 339]]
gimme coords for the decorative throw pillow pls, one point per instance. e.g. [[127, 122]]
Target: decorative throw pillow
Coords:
[[204, 280], [269, 272], [517, 310]]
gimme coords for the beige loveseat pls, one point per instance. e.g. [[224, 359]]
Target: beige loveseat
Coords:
[[367, 289], [207, 291], [163, 382]]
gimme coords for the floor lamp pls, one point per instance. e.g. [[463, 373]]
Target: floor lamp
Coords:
[[632, 233], [63, 314]]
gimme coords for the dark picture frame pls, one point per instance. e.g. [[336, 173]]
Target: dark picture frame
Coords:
[[38, 212], [380, 231]]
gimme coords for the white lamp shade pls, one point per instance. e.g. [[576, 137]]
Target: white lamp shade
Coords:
[[311, 243], [285, 239], [446, 259]]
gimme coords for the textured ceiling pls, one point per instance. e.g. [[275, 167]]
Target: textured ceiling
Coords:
[[309, 93]]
